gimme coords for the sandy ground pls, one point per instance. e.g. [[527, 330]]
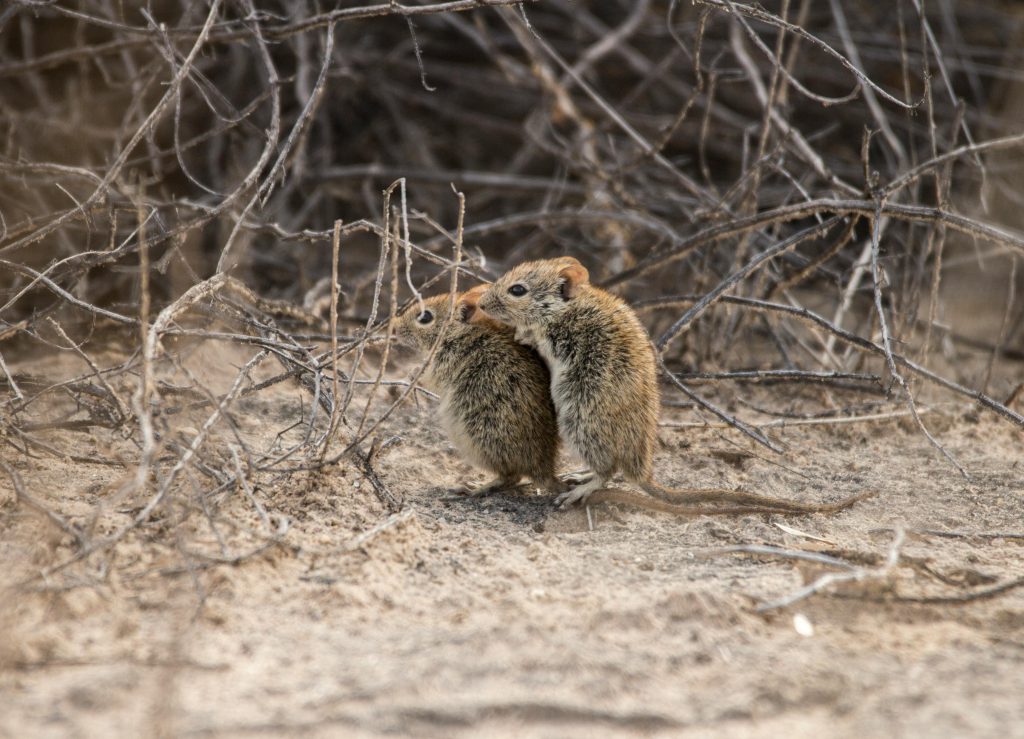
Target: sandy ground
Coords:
[[506, 617]]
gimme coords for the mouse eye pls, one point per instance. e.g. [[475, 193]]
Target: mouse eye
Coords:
[[425, 318], [517, 290]]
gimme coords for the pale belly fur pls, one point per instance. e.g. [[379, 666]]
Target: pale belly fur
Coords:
[[458, 434]]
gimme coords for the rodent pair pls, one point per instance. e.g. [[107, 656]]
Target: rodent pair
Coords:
[[593, 376]]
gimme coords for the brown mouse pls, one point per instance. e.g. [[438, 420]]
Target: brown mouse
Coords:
[[495, 404], [603, 378]]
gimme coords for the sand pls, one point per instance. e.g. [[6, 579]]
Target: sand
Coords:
[[503, 616]]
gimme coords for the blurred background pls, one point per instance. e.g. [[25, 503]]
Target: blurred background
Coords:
[[668, 145]]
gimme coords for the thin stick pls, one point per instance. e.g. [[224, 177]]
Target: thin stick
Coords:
[[21, 496], [770, 551], [10, 380], [796, 211], [855, 575], [388, 332], [335, 287], [782, 423], [887, 344], [783, 246], [866, 345], [247, 489], [395, 519], [744, 428]]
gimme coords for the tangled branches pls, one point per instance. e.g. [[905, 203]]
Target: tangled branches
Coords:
[[182, 185]]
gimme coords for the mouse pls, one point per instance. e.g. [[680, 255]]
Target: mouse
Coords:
[[604, 379], [495, 405]]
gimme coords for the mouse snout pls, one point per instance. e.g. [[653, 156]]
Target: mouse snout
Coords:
[[400, 328], [403, 328], [488, 303]]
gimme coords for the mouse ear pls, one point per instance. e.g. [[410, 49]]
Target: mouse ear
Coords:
[[469, 304], [574, 276]]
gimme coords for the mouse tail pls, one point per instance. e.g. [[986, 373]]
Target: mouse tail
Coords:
[[684, 496], [650, 503]]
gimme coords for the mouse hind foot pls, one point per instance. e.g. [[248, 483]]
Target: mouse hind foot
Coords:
[[581, 493], [497, 485]]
